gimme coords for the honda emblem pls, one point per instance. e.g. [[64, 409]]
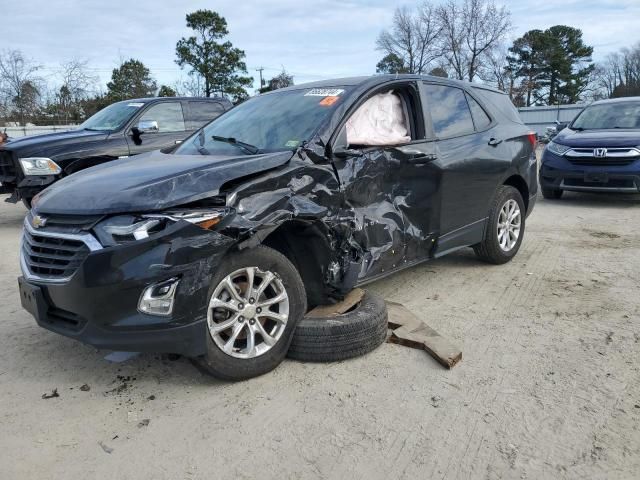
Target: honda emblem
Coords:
[[599, 152]]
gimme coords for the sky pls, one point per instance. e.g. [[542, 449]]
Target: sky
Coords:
[[312, 40]]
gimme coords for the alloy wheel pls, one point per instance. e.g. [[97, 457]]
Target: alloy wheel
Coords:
[[509, 223], [248, 312]]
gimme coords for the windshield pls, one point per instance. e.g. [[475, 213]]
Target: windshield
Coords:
[[112, 117], [267, 123], [608, 115]]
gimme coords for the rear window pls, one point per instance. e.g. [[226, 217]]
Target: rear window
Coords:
[[201, 113], [449, 111], [501, 102], [480, 117]]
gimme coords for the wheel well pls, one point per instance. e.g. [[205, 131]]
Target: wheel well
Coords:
[[305, 245], [517, 182]]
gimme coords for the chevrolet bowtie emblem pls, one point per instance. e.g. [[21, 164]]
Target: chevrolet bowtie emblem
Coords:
[[38, 221]]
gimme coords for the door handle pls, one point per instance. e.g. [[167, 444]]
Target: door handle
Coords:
[[494, 142], [420, 159]]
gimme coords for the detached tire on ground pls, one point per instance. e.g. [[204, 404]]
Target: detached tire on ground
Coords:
[[329, 339]]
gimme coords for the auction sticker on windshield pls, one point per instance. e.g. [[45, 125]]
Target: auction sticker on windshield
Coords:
[[136, 104], [324, 92]]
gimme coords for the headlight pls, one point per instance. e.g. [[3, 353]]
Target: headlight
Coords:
[[557, 149], [39, 166], [129, 228]]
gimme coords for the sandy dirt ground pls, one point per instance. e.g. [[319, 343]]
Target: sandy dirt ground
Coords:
[[549, 384]]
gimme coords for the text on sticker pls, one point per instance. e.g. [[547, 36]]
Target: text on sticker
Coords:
[[324, 92]]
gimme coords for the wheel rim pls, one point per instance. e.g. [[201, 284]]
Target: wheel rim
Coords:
[[509, 223], [248, 312]]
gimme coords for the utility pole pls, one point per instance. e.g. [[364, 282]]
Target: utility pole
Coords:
[[261, 81]]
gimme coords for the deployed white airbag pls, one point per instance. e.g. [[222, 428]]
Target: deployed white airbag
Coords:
[[379, 121]]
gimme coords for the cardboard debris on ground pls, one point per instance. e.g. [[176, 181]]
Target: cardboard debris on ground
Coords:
[[410, 331], [351, 300]]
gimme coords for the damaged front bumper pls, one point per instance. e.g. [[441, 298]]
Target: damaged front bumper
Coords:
[[98, 303]]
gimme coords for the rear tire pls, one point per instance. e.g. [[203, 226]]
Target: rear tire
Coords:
[[244, 339], [329, 339], [496, 248], [551, 194]]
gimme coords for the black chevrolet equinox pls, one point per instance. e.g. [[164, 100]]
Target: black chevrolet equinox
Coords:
[[217, 247]]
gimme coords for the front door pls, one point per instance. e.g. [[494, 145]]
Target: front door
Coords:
[[389, 190], [171, 128]]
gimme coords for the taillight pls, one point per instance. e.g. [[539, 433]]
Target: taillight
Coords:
[[533, 139]]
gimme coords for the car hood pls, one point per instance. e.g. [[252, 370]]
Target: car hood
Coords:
[[150, 182], [43, 144], [598, 138]]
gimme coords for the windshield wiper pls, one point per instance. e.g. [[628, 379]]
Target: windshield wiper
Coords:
[[247, 147], [578, 129]]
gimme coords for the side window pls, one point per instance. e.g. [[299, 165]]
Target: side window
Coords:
[[201, 113], [449, 111], [480, 117], [168, 115]]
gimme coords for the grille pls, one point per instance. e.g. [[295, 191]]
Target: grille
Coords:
[[52, 258], [71, 223], [64, 320], [612, 183], [7, 167], [601, 161], [613, 157]]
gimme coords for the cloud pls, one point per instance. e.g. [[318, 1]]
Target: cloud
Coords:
[[323, 39]]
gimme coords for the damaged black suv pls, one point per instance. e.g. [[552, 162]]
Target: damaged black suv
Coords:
[[217, 247]]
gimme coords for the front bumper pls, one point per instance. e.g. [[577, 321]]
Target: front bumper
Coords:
[[557, 173], [98, 304]]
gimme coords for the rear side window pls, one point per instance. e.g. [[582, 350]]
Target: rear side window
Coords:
[[201, 113], [501, 102], [480, 118], [449, 111], [168, 115]]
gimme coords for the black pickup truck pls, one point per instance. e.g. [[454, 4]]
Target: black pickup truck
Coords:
[[30, 164]]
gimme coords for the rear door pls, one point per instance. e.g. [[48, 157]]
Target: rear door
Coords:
[[471, 160], [171, 127], [199, 113]]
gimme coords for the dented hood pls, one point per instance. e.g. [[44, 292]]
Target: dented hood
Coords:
[[151, 181]]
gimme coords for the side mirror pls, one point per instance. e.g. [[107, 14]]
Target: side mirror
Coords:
[[343, 152], [145, 126]]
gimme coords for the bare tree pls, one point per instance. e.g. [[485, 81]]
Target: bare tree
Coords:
[[192, 87], [471, 31], [413, 38], [77, 84], [19, 82], [619, 73], [77, 78]]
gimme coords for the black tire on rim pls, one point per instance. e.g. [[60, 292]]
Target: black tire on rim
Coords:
[[249, 331], [551, 194], [329, 339], [493, 248]]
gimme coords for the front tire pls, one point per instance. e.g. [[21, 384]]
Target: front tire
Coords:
[[505, 228], [256, 299], [551, 194]]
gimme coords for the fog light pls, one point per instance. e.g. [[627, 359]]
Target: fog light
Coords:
[[157, 299]]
